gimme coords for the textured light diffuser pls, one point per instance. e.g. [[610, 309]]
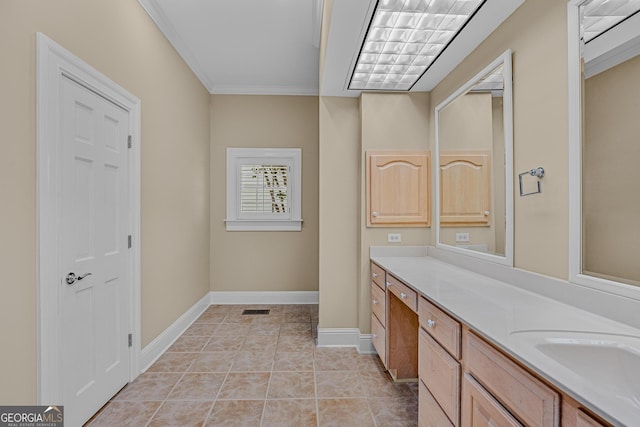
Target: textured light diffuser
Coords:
[[602, 15], [404, 38]]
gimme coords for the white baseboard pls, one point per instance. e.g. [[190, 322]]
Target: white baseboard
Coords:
[[162, 342], [278, 297], [345, 337]]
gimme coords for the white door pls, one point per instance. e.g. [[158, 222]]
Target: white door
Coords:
[[94, 260]]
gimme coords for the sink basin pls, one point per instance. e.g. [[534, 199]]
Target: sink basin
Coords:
[[611, 362]]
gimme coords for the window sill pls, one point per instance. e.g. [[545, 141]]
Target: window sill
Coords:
[[263, 225]]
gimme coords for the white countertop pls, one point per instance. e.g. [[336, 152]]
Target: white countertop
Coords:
[[500, 312]]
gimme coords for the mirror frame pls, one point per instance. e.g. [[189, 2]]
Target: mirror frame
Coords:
[[507, 259], [574, 83]]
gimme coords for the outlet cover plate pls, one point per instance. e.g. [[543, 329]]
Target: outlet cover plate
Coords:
[[394, 238]]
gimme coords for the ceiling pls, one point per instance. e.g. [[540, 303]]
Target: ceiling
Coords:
[[272, 46]]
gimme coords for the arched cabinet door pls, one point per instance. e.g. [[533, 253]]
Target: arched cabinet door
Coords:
[[398, 189], [465, 188]]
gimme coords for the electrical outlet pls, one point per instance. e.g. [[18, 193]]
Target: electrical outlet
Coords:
[[394, 238], [462, 237]]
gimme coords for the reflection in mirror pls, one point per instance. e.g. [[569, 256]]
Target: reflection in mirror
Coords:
[[611, 140], [473, 148]]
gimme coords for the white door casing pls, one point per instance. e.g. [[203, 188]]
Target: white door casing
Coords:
[[88, 203]]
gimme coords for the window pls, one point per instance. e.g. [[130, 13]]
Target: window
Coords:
[[264, 189]]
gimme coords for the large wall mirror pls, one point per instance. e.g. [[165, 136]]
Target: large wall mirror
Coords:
[[604, 66], [473, 158]]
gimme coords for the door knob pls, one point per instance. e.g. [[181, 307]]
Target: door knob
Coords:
[[71, 277]]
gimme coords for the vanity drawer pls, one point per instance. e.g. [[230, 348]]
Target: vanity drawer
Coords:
[[480, 408], [440, 326], [378, 339], [441, 374], [378, 303], [407, 295], [429, 412], [525, 396], [378, 275]]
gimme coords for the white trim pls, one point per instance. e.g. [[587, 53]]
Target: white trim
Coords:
[[52, 62], [156, 348], [346, 337], [276, 297], [263, 90], [264, 225], [615, 46], [507, 259], [575, 165]]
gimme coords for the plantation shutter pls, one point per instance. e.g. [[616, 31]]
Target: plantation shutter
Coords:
[[264, 189]]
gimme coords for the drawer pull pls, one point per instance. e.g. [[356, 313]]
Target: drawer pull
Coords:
[[431, 323], [374, 336], [375, 302], [388, 284], [375, 274], [403, 295]]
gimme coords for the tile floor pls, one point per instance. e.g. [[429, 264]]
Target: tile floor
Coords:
[[230, 369]]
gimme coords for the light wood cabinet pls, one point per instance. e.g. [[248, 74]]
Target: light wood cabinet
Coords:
[[378, 304], [465, 189], [404, 293], [481, 409], [441, 374], [398, 188], [573, 416], [429, 412], [442, 327], [526, 397], [379, 311]]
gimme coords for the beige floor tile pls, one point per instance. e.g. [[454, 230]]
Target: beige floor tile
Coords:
[[291, 385], [336, 359], [232, 329], [214, 361], [369, 362], [173, 362], [344, 412], [380, 384], [201, 329], [293, 361], [271, 319], [197, 386], [122, 413], [290, 412], [295, 344], [236, 413], [245, 385], [188, 344], [238, 318], [212, 317], [395, 412], [297, 318], [149, 386], [253, 361], [296, 329], [266, 343], [181, 414], [335, 384], [264, 328], [224, 343]]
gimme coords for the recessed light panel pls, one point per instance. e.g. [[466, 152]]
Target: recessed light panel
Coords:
[[404, 38], [602, 15]]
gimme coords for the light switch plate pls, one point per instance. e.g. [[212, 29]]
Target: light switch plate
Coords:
[[394, 238]]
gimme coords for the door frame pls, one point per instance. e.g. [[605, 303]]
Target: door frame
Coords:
[[53, 64]]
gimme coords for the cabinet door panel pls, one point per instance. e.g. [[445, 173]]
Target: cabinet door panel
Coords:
[[441, 374], [429, 412], [398, 188], [480, 409], [378, 339], [465, 189], [378, 305]]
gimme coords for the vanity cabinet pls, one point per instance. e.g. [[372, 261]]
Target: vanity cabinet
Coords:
[[574, 416], [379, 311], [398, 189]]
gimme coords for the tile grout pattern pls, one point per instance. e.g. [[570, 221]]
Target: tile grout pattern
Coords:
[[229, 369]]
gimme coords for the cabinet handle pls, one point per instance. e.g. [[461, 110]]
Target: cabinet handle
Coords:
[[375, 302], [388, 284], [431, 323], [374, 336], [375, 274], [374, 214], [486, 213], [403, 295]]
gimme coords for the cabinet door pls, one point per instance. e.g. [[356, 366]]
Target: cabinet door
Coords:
[[378, 338], [465, 189], [398, 189], [480, 409]]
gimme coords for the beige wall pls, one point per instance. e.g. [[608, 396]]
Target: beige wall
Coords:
[[537, 35], [267, 260], [389, 121], [611, 200], [340, 177], [119, 39]]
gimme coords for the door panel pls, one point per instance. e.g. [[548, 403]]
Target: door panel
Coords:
[[94, 207]]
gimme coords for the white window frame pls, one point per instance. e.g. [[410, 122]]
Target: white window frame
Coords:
[[292, 221]]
